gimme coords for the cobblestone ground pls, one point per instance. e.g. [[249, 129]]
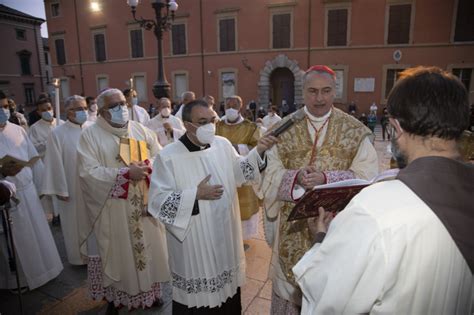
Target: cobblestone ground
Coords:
[[67, 294]]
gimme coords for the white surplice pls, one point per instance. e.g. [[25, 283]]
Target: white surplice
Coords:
[[206, 254], [156, 124], [138, 114], [386, 253], [36, 250], [132, 247], [39, 133], [269, 121], [61, 178]]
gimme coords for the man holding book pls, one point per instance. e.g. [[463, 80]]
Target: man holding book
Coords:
[[326, 146], [35, 248], [404, 246]]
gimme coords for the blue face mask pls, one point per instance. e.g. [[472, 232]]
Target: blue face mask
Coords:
[[4, 115], [48, 116], [119, 115], [80, 117]]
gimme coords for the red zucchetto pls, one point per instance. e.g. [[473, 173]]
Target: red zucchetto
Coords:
[[322, 68]]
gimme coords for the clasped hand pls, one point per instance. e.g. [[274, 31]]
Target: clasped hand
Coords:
[[209, 192], [139, 170], [309, 176]]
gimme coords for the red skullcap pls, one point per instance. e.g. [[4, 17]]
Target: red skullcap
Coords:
[[322, 68]]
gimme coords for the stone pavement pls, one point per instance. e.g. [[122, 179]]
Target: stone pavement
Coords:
[[67, 294]]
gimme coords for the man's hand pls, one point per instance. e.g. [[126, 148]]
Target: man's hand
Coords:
[[66, 199], [321, 223], [309, 176], [265, 143], [138, 170], [167, 127], [10, 169], [209, 192]]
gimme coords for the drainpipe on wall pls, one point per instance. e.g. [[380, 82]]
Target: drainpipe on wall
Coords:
[[79, 48], [38, 57], [202, 51], [308, 60]]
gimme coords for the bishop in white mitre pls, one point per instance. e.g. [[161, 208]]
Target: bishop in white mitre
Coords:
[[60, 178]]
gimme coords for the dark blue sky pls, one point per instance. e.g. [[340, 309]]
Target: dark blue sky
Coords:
[[31, 7]]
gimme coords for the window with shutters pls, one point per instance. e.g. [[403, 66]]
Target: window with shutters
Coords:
[[281, 30], [20, 34], [178, 34], [464, 74], [60, 51], [102, 83], [227, 34], [390, 79], [139, 84], [55, 9], [180, 84], [337, 27], [25, 57], [136, 43], [99, 45], [464, 27], [29, 89], [399, 21]]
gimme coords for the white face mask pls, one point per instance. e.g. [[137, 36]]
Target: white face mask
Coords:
[[165, 112], [231, 114], [206, 134], [93, 108], [134, 101], [119, 116]]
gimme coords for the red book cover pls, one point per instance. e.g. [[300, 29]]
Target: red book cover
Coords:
[[332, 199]]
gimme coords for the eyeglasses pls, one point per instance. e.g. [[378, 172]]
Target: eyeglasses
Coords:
[[115, 107]]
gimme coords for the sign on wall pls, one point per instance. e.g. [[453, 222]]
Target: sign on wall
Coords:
[[228, 84], [364, 84]]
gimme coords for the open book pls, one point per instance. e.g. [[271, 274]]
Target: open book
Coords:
[[333, 197], [13, 161]]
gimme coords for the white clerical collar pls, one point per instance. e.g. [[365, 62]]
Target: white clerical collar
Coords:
[[317, 119], [239, 120]]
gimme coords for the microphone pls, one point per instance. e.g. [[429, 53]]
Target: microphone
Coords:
[[295, 117]]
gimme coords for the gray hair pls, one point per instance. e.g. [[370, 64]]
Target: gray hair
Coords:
[[317, 72], [187, 94], [104, 94], [71, 100]]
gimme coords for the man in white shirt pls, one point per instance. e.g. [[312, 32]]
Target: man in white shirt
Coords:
[[271, 118], [35, 247], [39, 133], [186, 97], [60, 179], [136, 112], [167, 127], [193, 192], [404, 246], [91, 108]]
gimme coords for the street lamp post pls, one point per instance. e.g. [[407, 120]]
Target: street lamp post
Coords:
[[162, 23]]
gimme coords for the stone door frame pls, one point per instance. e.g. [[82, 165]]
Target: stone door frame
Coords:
[[280, 61]]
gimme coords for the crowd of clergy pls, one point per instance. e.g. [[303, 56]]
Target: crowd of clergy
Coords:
[[143, 200]]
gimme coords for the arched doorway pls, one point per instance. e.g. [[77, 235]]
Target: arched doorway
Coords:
[[282, 86]]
